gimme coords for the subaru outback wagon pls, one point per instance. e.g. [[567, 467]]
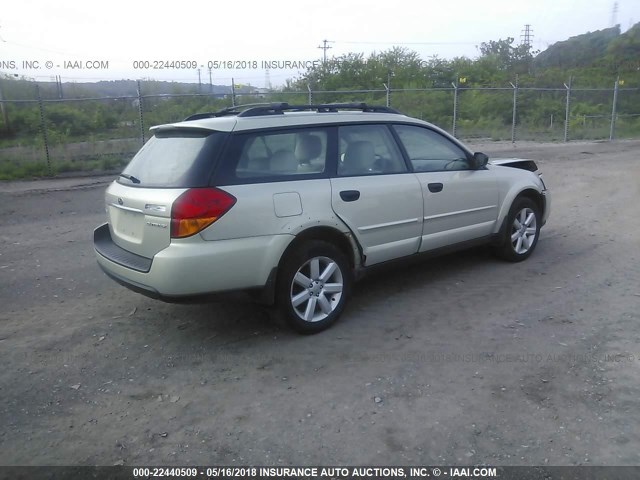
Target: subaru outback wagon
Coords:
[[296, 202]]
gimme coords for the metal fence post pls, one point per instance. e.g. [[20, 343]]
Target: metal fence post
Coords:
[[310, 94], [5, 114], [455, 109], [43, 126], [612, 130], [515, 110], [233, 93], [567, 108], [386, 87], [140, 114]]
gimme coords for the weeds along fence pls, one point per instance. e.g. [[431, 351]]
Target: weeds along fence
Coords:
[[48, 136]]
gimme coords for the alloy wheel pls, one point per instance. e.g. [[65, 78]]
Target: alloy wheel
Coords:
[[523, 231], [316, 289]]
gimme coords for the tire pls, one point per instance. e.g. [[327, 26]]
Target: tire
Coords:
[[522, 231], [313, 286]]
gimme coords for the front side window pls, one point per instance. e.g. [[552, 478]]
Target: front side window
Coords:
[[368, 150], [429, 151], [271, 154]]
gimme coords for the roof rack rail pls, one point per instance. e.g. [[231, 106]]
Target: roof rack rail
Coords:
[[260, 109], [280, 108], [236, 109]]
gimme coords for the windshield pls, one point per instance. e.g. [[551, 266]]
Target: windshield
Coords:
[[175, 158]]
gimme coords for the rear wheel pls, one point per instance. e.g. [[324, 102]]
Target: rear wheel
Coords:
[[313, 286], [522, 232]]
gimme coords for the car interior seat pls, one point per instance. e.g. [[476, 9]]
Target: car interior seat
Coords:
[[283, 161], [308, 147], [359, 158]]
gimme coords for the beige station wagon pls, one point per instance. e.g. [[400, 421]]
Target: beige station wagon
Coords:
[[297, 201]]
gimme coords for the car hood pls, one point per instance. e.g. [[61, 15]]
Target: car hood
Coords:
[[503, 161], [521, 163]]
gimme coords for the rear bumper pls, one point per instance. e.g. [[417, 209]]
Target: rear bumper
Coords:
[[194, 267]]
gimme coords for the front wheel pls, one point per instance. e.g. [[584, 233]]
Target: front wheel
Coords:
[[522, 232], [313, 286]]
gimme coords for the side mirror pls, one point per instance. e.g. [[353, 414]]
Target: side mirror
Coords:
[[480, 160]]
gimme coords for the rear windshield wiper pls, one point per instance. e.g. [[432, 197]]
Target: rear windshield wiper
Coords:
[[130, 177]]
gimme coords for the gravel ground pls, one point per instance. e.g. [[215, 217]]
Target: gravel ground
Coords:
[[459, 360]]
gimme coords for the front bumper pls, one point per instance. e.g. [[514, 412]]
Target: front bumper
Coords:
[[546, 205]]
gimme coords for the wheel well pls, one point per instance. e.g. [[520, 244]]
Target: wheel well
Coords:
[[535, 196], [267, 294], [327, 234], [529, 193]]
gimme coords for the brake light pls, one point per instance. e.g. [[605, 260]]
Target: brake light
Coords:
[[197, 208]]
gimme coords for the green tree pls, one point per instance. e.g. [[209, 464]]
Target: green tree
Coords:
[[506, 56]]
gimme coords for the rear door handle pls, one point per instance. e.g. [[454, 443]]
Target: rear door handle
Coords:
[[350, 195], [435, 187]]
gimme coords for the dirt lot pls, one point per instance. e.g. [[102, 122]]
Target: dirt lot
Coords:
[[459, 360]]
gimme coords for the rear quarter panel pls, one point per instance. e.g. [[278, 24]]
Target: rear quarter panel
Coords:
[[275, 209]]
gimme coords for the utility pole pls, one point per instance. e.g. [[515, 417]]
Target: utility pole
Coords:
[[324, 48], [267, 79], [199, 82], [210, 82], [527, 35], [387, 86]]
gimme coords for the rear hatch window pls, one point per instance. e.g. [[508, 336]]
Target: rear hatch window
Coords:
[[177, 158]]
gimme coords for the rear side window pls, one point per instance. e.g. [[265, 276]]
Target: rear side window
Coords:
[[368, 150], [177, 158], [269, 156]]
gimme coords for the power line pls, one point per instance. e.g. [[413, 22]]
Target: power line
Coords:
[[405, 43]]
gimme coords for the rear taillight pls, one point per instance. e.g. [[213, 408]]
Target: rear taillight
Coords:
[[197, 208]]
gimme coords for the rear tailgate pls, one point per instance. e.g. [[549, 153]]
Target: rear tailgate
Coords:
[[140, 218], [139, 203]]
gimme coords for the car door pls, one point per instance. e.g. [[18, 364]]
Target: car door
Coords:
[[460, 202], [374, 193]]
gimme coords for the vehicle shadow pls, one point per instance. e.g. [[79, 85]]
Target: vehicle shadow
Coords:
[[418, 283], [232, 320]]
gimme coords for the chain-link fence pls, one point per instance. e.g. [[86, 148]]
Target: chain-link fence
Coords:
[[43, 136]]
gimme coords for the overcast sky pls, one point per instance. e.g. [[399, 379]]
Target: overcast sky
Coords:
[[121, 32]]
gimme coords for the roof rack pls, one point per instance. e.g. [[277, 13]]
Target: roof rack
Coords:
[[235, 110], [260, 109], [280, 108]]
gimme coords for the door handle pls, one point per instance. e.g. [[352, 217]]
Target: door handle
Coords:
[[350, 195], [435, 187]]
